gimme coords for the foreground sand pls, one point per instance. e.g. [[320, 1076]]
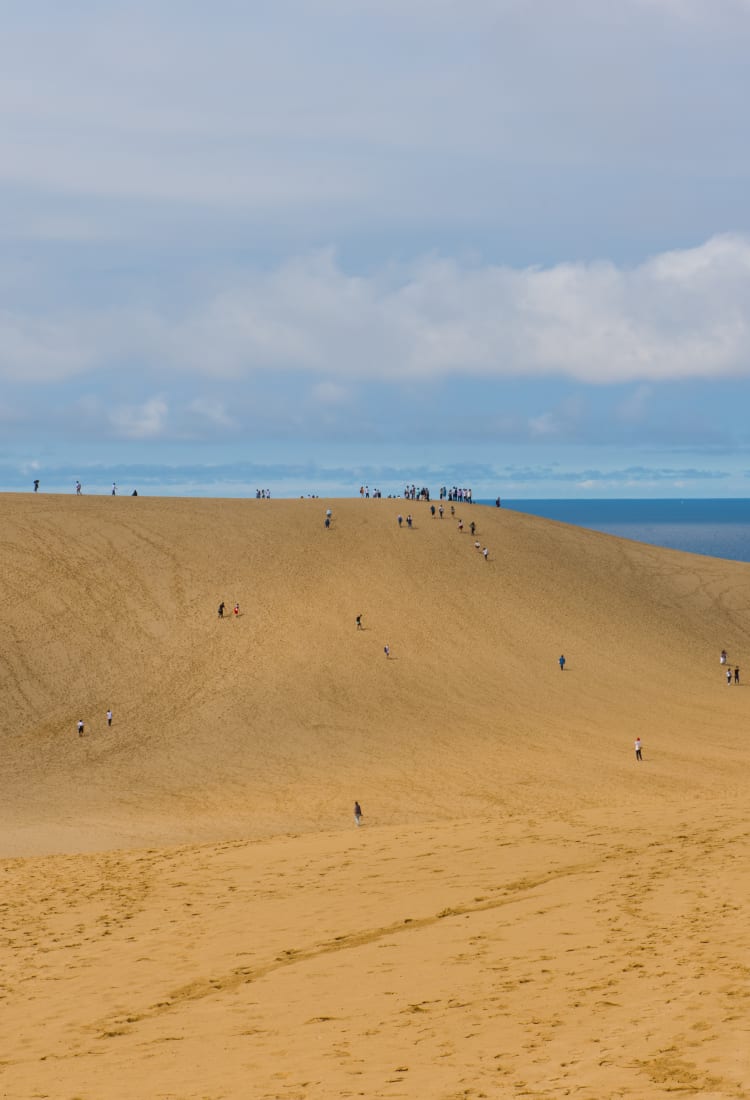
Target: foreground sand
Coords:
[[526, 912]]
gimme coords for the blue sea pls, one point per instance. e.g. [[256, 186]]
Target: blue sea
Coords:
[[719, 528]]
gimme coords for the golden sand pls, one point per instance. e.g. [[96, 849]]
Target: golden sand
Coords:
[[189, 911]]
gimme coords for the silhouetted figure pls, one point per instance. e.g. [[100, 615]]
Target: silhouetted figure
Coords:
[[561, 662], [736, 674], [221, 610], [36, 484]]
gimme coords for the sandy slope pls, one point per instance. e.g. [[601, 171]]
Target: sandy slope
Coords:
[[527, 911]]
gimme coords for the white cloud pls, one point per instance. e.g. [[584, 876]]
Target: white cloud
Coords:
[[679, 315], [145, 421]]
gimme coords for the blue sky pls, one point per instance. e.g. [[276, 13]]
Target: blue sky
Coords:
[[304, 246]]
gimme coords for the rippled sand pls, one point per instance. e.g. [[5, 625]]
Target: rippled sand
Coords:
[[188, 909]]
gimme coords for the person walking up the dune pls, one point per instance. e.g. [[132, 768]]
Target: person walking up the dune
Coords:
[[485, 554], [387, 651], [236, 611], [561, 662], [440, 511], [723, 658], [359, 622], [221, 610], [729, 676], [357, 814], [736, 674], [638, 755], [109, 717], [400, 519], [80, 727]]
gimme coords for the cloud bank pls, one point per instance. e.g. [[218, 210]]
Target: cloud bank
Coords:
[[679, 315]]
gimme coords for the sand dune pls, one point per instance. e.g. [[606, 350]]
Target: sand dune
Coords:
[[189, 910]]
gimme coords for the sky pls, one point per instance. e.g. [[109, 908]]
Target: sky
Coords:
[[304, 246]]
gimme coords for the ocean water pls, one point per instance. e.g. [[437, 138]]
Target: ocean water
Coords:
[[719, 528]]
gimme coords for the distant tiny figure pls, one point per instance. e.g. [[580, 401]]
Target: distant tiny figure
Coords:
[[357, 814], [477, 545], [80, 727], [36, 484], [328, 523], [134, 493], [221, 610], [409, 520], [329, 515], [400, 519], [497, 502], [440, 511], [359, 622], [485, 553], [473, 527], [432, 510], [109, 717], [114, 489], [236, 610], [736, 674], [561, 662], [729, 676], [638, 755], [461, 525], [723, 658], [78, 488], [453, 510], [387, 650]]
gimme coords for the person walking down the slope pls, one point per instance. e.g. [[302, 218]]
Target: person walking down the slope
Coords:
[[359, 623], [723, 658], [638, 755], [80, 727], [221, 610], [561, 662], [485, 553], [387, 650], [236, 611], [736, 674], [729, 676], [109, 717], [357, 814]]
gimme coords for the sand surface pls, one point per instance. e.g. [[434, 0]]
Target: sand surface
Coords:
[[188, 910]]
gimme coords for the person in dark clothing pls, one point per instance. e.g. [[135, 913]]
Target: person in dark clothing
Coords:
[[357, 814], [36, 484], [561, 662], [221, 610], [736, 674]]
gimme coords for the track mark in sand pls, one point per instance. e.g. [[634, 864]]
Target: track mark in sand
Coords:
[[197, 990]]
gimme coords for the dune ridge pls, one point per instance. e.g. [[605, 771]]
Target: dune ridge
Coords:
[[189, 910]]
